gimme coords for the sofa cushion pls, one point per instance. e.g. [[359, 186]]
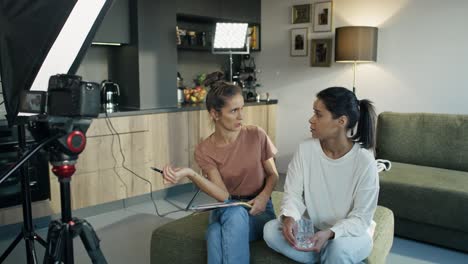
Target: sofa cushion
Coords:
[[188, 233], [427, 195], [435, 140]]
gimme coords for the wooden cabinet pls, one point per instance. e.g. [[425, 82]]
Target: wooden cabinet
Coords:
[[115, 28], [113, 167]]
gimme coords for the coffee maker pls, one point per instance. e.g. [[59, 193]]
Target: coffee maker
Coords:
[[110, 93]]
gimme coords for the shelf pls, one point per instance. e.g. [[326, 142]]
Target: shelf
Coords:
[[193, 48]]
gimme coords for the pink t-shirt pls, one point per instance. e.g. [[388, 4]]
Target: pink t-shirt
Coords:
[[240, 162]]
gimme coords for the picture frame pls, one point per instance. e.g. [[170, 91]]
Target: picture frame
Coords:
[[300, 14], [321, 52], [323, 14], [299, 42]]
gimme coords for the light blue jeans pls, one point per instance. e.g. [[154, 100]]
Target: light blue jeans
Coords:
[[335, 251], [230, 231]]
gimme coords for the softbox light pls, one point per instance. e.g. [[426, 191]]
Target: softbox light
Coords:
[[40, 38]]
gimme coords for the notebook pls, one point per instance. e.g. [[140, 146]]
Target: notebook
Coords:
[[211, 206]]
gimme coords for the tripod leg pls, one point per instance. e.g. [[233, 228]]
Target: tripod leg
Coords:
[[40, 240], [90, 240], [30, 251], [11, 247], [55, 245]]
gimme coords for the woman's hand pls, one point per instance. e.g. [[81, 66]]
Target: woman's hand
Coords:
[[258, 204], [288, 230], [174, 175], [319, 240]]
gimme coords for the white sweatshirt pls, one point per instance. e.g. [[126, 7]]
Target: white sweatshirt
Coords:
[[339, 194]]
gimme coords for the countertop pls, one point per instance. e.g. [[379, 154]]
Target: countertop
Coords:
[[178, 108]]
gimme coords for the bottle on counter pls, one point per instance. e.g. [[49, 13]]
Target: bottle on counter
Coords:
[[180, 89]]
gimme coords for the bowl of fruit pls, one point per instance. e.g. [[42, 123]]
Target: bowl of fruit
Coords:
[[194, 95]]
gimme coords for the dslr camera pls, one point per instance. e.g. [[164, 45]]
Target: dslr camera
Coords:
[[67, 96]]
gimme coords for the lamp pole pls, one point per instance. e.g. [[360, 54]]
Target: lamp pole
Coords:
[[230, 65], [354, 77]]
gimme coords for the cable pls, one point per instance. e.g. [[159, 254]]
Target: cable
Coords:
[[138, 176], [114, 168], [383, 165]]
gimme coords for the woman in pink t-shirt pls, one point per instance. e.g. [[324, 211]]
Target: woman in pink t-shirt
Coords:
[[237, 164]]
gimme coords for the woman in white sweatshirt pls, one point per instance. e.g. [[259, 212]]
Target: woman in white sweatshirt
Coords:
[[333, 180]]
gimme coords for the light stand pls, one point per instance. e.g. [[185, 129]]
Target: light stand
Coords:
[[27, 232], [231, 38]]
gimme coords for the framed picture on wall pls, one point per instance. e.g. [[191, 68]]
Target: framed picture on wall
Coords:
[[323, 17], [300, 14], [321, 50], [299, 41]]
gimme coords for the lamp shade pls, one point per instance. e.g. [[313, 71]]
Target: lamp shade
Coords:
[[356, 44]]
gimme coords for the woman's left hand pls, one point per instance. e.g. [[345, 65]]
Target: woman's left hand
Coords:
[[258, 204], [319, 240]]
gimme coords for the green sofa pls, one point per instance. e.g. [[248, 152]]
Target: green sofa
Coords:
[[427, 187], [183, 240]]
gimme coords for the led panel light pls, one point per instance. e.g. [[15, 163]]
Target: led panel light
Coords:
[[230, 35]]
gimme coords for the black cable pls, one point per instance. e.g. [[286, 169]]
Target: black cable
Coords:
[[114, 168], [2, 102], [138, 176]]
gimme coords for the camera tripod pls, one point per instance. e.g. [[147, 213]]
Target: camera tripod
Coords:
[[61, 232], [64, 150]]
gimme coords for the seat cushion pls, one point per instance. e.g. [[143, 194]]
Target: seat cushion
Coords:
[[426, 139], [427, 195]]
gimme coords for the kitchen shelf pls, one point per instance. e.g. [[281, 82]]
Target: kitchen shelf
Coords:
[[207, 24], [193, 48]]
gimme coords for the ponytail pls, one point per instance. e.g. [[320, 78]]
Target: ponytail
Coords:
[[342, 102], [365, 134]]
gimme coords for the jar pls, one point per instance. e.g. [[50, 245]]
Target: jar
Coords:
[[192, 38], [202, 39]]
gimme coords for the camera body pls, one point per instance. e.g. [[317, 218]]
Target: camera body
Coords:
[[69, 96], [71, 105]]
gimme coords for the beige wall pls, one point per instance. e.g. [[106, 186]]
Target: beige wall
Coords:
[[422, 61]]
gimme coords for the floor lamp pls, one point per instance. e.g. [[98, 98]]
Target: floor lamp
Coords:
[[356, 45], [231, 38]]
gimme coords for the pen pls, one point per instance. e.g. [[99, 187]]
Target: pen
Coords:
[[157, 170]]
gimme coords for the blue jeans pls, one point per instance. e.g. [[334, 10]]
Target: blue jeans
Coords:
[[230, 231], [336, 251]]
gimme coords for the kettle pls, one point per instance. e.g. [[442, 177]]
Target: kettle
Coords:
[[110, 93]]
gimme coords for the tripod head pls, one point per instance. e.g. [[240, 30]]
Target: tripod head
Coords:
[[69, 142]]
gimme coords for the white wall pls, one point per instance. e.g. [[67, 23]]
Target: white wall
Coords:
[[422, 61]]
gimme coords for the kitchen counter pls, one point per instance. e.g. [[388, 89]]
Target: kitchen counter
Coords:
[[180, 108]]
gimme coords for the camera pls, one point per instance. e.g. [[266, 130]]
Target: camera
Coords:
[[67, 96]]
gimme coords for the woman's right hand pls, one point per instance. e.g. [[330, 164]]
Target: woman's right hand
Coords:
[[174, 175], [288, 229]]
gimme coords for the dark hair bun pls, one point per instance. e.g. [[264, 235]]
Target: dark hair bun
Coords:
[[214, 79]]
